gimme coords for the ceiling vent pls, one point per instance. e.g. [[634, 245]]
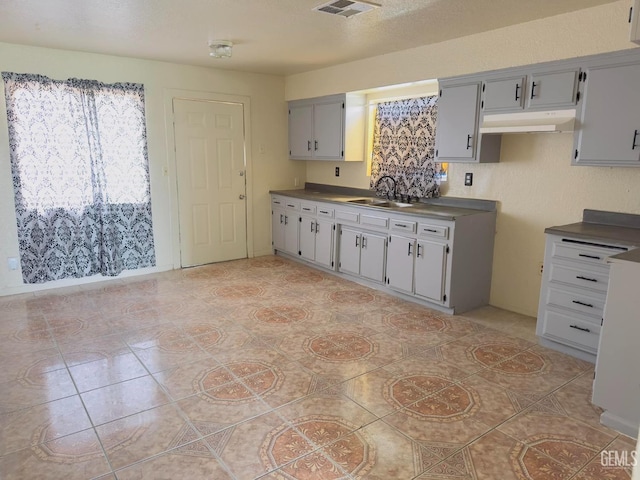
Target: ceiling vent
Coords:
[[345, 8]]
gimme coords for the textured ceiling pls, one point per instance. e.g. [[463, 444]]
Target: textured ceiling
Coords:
[[271, 36]]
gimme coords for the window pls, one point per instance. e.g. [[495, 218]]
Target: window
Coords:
[[403, 146], [81, 176]]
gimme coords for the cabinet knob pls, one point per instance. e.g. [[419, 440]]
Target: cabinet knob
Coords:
[[241, 197]]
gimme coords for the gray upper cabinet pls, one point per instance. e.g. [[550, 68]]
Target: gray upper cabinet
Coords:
[[503, 94], [327, 128], [457, 137], [609, 130], [300, 131], [553, 90], [457, 123], [539, 90]]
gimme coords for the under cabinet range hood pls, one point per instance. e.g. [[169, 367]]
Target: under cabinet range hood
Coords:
[[553, 121]]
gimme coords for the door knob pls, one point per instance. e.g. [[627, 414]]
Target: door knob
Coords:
[[241, 197]]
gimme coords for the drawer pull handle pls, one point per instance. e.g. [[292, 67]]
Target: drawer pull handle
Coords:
[[595, 257], [580, 277], [306, 209], [430, 230], [324, 211], [582, 303], [401, 225], [290, 205], [582, 329]]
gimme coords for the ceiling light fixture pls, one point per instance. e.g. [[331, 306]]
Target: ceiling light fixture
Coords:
[[220, 48]]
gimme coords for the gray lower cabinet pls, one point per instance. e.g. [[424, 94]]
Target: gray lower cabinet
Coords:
[[400, 259], [609, 130], [573, 294], [316, 240], [443, 263], [362, 254]]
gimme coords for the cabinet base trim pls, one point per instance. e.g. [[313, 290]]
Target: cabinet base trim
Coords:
[[574, 352], [622, 425], [370, 284]]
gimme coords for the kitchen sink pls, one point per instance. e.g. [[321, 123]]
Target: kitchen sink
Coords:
[[369, 201], [374, 202]]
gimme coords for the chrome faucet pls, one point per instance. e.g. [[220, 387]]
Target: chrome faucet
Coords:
[[395, 186]]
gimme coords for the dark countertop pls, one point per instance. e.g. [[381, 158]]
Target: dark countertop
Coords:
[[630, 256], [443, 208], [609, 227]]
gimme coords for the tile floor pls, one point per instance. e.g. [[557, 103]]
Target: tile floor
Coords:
[[265, 368]]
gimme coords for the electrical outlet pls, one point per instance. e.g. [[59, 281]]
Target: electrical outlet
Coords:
[[468, 179], [337, 171], [540, 268], [12, 263]]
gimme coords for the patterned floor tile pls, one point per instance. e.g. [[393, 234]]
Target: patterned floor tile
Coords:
[[108, 371], [193, 461], [110, 403], [34, 388], [143, 435], [41, 424]]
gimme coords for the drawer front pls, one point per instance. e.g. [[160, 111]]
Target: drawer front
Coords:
[[290, 204], [587, 254], [584, 278], [347, 216], [308, 208], [277, 202], [570, 330], [374, 221], [325, 212], [403, 226], [584, 303], [426, 230]]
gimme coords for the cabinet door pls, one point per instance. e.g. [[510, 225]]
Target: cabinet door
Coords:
[[429, 273], [324, 242], [503, 94], [349, 251], [400, 252], [328, 130], [372, 256], [291, 233], [552, 90], [456, 127], [277, 229], [300, 131], [307, 238], [609, 131]]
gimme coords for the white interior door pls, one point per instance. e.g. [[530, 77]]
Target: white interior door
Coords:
[[210, 159]]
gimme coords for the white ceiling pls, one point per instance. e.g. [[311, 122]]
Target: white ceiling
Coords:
[[271, 36]]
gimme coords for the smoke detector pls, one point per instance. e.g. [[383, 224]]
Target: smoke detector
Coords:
[[345, 8]]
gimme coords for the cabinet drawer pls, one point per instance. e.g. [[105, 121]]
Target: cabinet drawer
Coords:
[[588, 304], [277, 202], [308, 208], [571, 330], [584, 278], [325, 212], [375, 221], [347, 216], [583, 251], [292, 204], [427, 230], [403, 226]]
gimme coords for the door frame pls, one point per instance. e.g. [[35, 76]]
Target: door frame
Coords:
[[170, 170]]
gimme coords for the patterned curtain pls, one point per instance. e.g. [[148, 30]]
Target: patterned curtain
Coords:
[[403, 147], [78, 152]]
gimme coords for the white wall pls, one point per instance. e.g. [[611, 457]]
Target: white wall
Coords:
[[534, 183], [271, 168]]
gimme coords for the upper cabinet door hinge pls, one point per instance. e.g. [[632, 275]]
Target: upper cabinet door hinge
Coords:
[[343, 105], [575, 155]]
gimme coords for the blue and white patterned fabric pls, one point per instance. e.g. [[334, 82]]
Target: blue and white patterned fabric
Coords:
[[78, 151], [403, 146]]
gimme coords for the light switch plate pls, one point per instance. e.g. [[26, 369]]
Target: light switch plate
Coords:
[[468, 179]]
